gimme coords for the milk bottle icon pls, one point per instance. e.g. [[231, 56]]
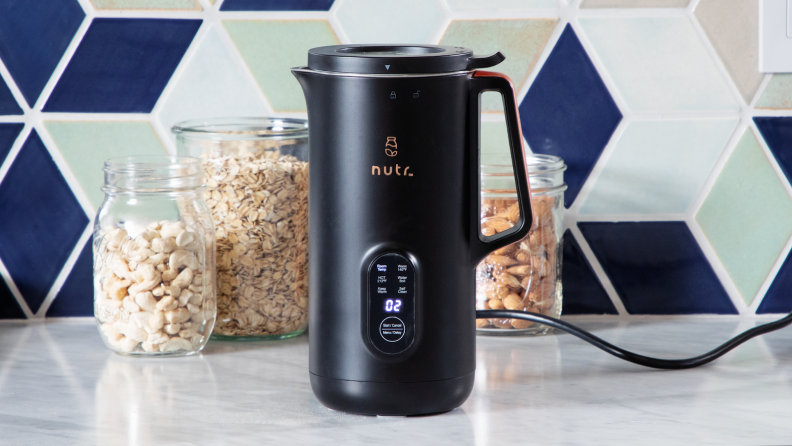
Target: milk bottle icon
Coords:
[[391, 142]]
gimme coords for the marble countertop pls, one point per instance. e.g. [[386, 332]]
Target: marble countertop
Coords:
[[60, 385]]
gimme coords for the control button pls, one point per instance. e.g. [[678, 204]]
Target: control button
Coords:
[[402, 279], [401, 267], [382, 268], [382, 279], [393, 95], [392, 329], [417, 94], [382, 290], [402, 290]]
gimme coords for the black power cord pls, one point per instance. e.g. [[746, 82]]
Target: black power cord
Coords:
[[670, 364]]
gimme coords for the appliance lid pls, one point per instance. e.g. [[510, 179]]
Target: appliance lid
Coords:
[[397, 59]]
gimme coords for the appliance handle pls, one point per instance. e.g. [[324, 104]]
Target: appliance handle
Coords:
[[481, 245]]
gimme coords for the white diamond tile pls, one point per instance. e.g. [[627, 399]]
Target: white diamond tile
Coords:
[[659, 64], [462, 5], [658, 167], [389, 21], [212, 85]]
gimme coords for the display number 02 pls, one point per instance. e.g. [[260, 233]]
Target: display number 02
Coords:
[[393, 305]]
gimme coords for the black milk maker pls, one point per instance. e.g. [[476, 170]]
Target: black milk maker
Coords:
[[394, 222]]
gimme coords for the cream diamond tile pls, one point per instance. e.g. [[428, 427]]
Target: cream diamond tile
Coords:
[[659, 64], [733, 28], [521, 41]]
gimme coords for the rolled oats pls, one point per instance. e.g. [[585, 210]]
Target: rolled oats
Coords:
[[259, 203]]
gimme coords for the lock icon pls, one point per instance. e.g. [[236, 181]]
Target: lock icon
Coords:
[[393, 95]]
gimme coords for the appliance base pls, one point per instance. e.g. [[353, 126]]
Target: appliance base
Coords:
[[393, 399]]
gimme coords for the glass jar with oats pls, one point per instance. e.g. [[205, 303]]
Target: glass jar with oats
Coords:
[[256, 171], [525, 275]]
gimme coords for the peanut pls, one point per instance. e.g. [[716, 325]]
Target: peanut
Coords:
[[520, 276]]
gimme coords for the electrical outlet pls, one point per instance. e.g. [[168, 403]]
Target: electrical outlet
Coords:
[[775, 36]]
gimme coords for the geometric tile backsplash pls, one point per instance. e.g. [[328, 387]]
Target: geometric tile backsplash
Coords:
[[679, 150]]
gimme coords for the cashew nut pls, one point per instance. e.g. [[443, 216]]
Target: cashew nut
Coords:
[[163, 244], [177, 316], [181, 258], [157, 321], [169, 274], [130, 331], [146, 301], [183, 279], [185, 297], [184, 238], [130, 305], [167, 303], [171, 229], [176, 344]]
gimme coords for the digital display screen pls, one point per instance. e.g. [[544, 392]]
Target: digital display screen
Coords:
[[393, 305]]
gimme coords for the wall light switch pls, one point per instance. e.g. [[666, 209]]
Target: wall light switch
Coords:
[[775, 36]]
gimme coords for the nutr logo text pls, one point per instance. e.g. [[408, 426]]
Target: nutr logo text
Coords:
[[391, 150]]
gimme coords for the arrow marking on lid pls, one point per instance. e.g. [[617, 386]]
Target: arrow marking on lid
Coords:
[[387, 67]]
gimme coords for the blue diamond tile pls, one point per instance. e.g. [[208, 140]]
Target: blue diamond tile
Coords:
[[9, 308], [122, 65], [75, 297], [657, 268], [41, 221], [8, 134], [34, 35], [276, 5], [778, 298], [8, 105], [583, 292], [777, 133], [568, 111]]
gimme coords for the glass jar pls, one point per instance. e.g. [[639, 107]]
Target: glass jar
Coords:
[[153, 245], [525, 275], [256, 170]]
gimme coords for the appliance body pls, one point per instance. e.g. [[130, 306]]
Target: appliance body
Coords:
[[395, 236]]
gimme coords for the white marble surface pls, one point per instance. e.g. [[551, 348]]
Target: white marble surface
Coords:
[[60, 385]]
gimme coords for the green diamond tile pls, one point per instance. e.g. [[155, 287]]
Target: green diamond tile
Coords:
[[778, 94], [85, 145], [521, 41], [271, 47], [747, 216]]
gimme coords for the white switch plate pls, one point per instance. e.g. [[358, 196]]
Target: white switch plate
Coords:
[[775, 36]]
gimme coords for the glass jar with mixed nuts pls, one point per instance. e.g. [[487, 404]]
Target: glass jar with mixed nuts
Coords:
[[525, 275], [256, 170]]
